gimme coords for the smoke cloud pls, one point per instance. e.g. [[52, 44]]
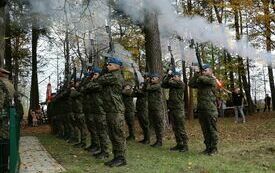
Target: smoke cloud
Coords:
[[196, 28]]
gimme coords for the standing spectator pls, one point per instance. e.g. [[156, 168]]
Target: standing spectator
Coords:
[[34, 119], [267, 102], [221, 106], [238, 99]]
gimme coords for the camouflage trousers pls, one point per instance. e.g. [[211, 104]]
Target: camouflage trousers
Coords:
[[81, 126], [59, 122], [4, 157], [101, 130], [144, 123], [90, 122], [177, 118], [71, 128], [208, 122], [130, 121], [115, 123], [156, 118]]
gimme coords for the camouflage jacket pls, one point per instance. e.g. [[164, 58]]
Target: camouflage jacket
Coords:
[[6, 96], [94, 89], [112, 92], [76, 98], [154, 97], [176, 92], [66, 102], [127, 96], [142, 100], [87, 106], [206, 86]]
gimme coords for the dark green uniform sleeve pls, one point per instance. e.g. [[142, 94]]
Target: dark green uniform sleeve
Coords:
[[74, 93], [93, 86], [206, 80], [153, 87], [165, 81], [2, 98], [193, 83], [108, 79]]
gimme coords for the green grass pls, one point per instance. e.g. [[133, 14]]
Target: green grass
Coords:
[[243, 148]]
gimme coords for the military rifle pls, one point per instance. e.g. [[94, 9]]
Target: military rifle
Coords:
[[172, 61], [135, 76], [218, 82], [198, 57]]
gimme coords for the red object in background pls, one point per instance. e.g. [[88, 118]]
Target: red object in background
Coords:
[[219, 83], [49, 93]]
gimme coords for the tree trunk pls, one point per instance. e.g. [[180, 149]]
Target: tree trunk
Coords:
[[34, 95], [153, 51], [2, 34], [67, 58], [186, 101], [190, 111], [16, 64], [231, 73], [152, 42], [241, 69], [268, 42], [8, 56]]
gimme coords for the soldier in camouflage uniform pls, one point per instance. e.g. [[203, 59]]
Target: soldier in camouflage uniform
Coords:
[[207, 110], [88, 107], [69, 122], [173, 82], [127, 96], [142, 112], [51, 113], [78, 115], [59, 112], [98, 116], [6, 96], [155, 107], [113, 106]]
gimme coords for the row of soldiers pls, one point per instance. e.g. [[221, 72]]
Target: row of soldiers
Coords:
[[102, 102]]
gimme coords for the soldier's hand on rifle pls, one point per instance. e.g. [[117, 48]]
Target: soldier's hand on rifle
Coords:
[[196, 68]]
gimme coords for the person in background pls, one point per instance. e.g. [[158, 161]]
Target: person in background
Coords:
[[267, 102], [34, 119], [238, 100]]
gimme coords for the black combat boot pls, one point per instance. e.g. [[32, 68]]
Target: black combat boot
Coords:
[[102, 155], [157, 144], [213, 151], [206, 151], [116, 162], [130, 138], [183, 148], [175, 148], [95, 150], [145, 141]]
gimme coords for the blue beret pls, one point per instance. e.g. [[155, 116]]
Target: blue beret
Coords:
[[176, 73], [97, 70], [206, 66], [154, 75], [78, 79], [115, 60], [87, 74]]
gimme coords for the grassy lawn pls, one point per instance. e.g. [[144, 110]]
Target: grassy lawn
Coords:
[[246, 147]]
